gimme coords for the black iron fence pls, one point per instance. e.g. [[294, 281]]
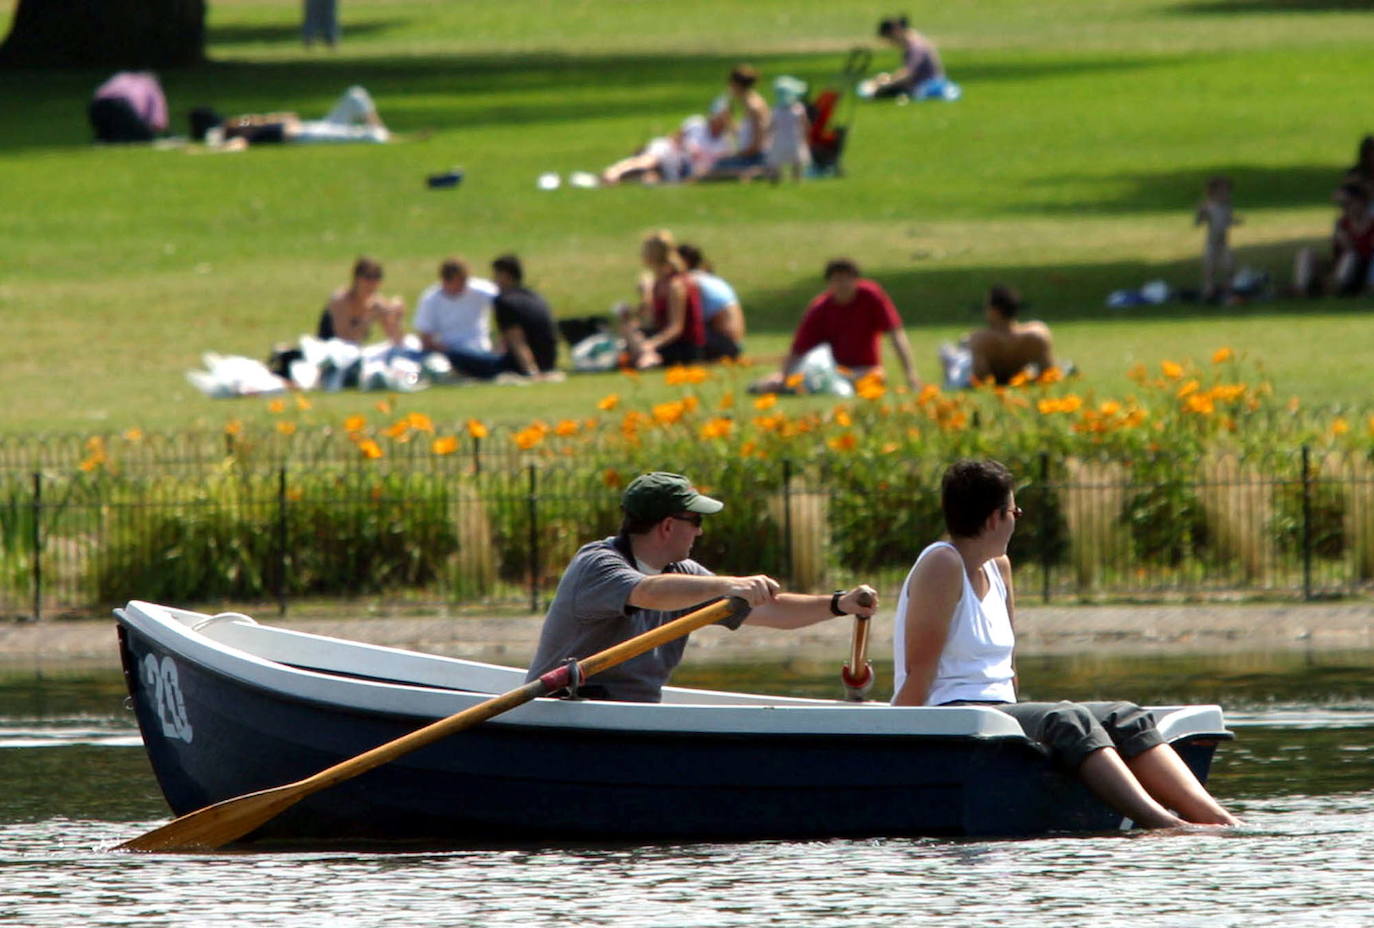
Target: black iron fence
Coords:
[[204, 520]]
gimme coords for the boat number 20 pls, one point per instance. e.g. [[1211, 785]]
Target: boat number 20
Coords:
[[171, 707]]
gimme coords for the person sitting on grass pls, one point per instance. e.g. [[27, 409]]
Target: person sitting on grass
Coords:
[[1003, 349], [753, 137], [129, 107], [351, 311], [1349, 270], [644, 577], [953, 645], [921, 74], [666, 327], [850, 316], [720, 307], [453, 318], [525, 322]]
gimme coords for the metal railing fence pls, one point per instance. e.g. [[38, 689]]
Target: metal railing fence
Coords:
[[215, 520]]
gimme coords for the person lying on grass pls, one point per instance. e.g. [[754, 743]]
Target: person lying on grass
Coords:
[[953, 645]]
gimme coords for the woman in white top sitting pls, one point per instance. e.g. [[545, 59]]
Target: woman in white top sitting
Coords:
[[953, 645]]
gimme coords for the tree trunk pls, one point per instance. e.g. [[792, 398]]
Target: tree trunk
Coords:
[[105, 34]]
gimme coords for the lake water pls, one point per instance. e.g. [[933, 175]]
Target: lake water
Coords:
[[73, 781]]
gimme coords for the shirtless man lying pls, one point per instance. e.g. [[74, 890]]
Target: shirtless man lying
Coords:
[[1003, 349]]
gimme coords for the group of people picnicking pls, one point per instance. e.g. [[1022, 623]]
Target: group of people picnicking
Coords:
[[683, 313], [953, 643]]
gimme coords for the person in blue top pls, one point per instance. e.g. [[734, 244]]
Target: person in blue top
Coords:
[[719, 306]]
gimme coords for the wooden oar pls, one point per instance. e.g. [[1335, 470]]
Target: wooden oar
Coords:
[[218, 824], [857, 675]]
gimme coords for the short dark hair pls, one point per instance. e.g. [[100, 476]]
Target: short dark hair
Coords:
[[450, 268], [366, 267], [892, 24], [971, 490], [692, 257], [1005, 300], [840, 266], [744, 75], [629, 525], [509, 264]]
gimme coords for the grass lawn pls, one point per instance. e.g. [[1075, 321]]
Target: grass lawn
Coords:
[[1069, 169]]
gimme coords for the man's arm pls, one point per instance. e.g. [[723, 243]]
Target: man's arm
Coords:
[[520, 348], [903, 349], [798, 610], [662, 592]]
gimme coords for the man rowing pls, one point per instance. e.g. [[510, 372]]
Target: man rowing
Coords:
[[623, 586]]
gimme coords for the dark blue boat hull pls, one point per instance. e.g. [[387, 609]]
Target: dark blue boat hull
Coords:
[[497, 783]]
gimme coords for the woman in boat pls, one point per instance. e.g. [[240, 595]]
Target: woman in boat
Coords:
[[953, 645]]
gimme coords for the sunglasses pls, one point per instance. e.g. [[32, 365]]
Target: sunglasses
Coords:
[[692, 517], [1016, 511]]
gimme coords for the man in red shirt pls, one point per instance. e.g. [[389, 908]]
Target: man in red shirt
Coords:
[[850, 316]]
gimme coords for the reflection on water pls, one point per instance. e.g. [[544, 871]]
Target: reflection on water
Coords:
[[73, 782]]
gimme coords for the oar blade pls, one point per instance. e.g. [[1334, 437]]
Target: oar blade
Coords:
[[217, 825]]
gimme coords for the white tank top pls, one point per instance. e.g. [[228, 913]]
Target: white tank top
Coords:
[[976, 661]]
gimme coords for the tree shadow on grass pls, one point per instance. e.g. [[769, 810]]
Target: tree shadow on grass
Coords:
[[929, 295], [1246, 7], [1255, 187], [437, 92], [287, 32]]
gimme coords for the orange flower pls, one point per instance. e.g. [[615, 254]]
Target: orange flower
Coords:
[[751, 449], [566, 427], [303, 404], [845, 442], [1019, 379], [608, 402], [842, 418], [233, 427], [1171, 370], [355, 424], [727, 401], [1222, 355], [793, 381], [1138, 373], [446, 445], [277, 406], [527, 438], [1109, 408], [1340, 426], [870, 389], [419, 422], [1294, 404], [1200, 403], [928, 393], [133, 435], [476, 429], [668, 413], [678, 375], [719, 427], [370, 449], [611, 477], [397, 430], [383, 406], [1189, 387], [890, 447], [1051, 375], [767, 401], [690, 403], [286, 427]]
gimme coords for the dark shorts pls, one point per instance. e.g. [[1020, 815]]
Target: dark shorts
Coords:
[[1073, 730], [719, 345], [114, 120]]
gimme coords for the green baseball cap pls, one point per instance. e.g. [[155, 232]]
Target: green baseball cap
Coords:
[[658, 495]]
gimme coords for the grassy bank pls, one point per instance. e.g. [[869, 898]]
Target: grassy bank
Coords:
[[1069, 169]]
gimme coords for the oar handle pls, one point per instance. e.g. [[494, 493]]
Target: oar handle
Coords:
[[857, 675]]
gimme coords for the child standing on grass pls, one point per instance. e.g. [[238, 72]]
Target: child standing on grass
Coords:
[[1217, 260], [788, 148]]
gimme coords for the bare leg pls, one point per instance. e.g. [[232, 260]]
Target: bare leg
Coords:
[[1107, 775], [1167, 778]]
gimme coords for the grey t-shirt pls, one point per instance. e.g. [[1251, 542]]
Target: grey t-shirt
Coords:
[[591, 612]]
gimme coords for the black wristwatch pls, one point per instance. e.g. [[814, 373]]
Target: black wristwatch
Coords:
[[835, 603]]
